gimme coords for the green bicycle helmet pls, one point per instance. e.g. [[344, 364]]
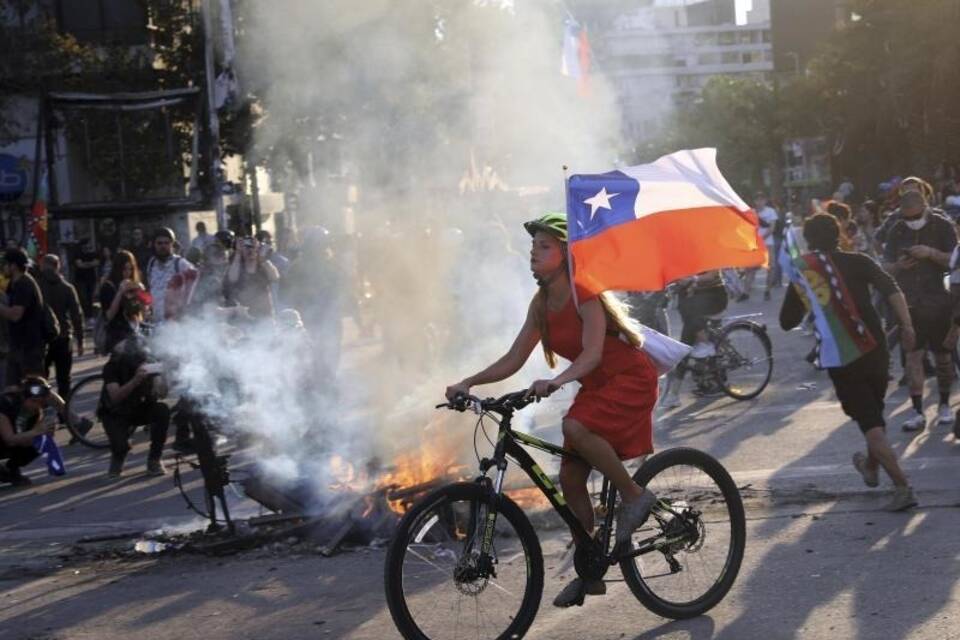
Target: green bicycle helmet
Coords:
[[552, 222]]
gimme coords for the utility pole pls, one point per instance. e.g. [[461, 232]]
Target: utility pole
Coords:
[[213, 123]]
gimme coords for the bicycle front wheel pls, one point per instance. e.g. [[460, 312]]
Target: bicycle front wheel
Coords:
[[744, 360], [700, 530], [82, 420], [435, 586]]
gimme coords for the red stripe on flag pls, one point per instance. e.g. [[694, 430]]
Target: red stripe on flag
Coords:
[[658, 249]]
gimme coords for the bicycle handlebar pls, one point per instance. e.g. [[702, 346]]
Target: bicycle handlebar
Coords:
[[507, 403]]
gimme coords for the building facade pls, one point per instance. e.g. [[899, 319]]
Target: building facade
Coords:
[[660, 56]]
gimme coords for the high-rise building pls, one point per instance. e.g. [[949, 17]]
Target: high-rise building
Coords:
[[660, 56]]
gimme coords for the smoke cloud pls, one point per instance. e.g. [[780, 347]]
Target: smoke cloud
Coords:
[[448, 125]]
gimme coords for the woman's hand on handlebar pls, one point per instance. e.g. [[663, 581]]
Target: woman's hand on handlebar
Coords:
[[542, 389], [459, 389]]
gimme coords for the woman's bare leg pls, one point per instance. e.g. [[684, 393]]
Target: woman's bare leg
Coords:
[[573, 481], [601, 456]]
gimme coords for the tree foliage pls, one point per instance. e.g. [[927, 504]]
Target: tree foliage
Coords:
[[883, 89]]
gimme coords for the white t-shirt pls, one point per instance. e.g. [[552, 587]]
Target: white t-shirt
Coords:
[[768, 215], [159, 277]]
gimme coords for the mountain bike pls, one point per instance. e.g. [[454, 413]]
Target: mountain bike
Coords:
[[466, 562], [743, 363]]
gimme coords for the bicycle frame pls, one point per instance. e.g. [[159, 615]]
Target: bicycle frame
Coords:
[[508, 445]]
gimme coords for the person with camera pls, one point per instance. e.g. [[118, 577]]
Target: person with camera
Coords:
[[22, 418], [917, 254], [133, 388], [250, 278]]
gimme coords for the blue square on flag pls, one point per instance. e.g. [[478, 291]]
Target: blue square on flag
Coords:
[[597, 202]]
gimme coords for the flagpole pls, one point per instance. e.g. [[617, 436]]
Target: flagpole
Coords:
[[566, 204]]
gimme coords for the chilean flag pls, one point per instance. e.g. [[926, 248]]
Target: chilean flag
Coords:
[[575, 59], [640, 228]]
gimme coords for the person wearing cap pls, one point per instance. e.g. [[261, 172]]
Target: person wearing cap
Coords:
[[917, 254], [132, 392], [20, 423], [611, 417], [24, 313]]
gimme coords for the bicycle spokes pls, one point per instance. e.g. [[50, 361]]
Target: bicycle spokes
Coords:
[[451, 587], [683, 550]]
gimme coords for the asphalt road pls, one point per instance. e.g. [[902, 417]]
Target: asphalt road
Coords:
[[822, 561]]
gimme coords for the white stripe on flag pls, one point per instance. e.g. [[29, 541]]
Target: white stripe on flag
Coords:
[[687, 179]]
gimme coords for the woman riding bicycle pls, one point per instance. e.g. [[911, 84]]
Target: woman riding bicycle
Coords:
[[610, 419]]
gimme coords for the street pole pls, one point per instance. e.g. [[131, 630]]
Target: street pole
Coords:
[[213, 122]]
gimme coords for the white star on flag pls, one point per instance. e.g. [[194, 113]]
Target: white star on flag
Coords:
[[599, 201]]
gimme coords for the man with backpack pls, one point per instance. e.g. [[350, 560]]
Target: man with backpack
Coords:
[[30, 327], [161, 272]]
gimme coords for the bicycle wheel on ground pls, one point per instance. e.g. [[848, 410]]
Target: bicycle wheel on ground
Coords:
[[82, 420], [433, 586], [744, 360], [689, 577]]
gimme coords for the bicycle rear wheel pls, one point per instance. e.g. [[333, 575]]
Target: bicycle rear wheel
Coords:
[[82, 420], [690, 576], [744, 360], [433, 586]]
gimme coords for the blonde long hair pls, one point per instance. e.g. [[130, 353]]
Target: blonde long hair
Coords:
[[615, 311]]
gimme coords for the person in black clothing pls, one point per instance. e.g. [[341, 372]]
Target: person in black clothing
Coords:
[[25, 316], [249, 279], [918, 253], [62, 299], [20, 412], [861, 385], [85, 269], [132, 392], [140, 249], [122, 298], [698, 297]]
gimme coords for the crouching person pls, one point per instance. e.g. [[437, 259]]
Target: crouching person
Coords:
[[132, 394], [20, 423]]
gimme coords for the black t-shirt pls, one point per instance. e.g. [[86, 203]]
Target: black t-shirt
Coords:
[[924, 283], [11, 405], [86, 274], [120, 369], [859, 272], [119, 328], [27, 332]]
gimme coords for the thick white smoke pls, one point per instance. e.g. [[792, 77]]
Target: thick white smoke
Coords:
[[454, 122]]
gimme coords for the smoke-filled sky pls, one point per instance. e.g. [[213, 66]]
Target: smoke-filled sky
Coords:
[[410, 92]]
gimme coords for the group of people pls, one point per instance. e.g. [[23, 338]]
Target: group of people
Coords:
[[144, 287]]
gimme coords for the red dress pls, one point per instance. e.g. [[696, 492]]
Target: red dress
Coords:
[[616, 399]]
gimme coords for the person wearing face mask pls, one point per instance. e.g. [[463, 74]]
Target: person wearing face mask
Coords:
[[917, 254]]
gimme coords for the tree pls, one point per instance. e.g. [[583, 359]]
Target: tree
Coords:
[[886, 88], [39, 58], [747, 120]]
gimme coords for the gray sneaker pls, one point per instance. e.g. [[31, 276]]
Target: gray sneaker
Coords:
[[917, 423], [902, 500], [155, 467], [632, 516], [860, 464], [573, 594]]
